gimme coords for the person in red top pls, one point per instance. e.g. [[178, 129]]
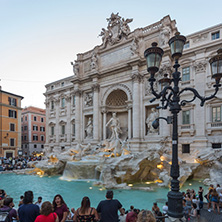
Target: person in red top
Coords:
[[131, 216], [47, 214], [60, 208]]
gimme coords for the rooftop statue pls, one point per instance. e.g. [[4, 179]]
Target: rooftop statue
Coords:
[[117, 29]]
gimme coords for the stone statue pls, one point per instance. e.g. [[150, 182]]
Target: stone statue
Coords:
[[115, 127], [134, 47], [89, 129], [94, 61], [153, 115], [125, 29], [88, 99], [75, 68], [105, 36], [117, 29], [164, 36]]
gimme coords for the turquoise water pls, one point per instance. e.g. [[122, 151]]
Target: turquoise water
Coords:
[[74, 191]]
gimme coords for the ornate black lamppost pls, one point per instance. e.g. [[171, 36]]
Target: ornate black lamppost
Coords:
[[170, 97]]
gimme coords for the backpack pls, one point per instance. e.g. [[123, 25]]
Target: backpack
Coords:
[[4, 215]]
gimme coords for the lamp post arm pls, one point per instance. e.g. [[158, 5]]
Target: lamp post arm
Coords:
[[197, 95]]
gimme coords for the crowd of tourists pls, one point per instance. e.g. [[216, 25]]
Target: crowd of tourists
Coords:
[[17, 163], [106, 211]]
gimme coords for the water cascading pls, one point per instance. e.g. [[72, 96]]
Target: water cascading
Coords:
[[81, 170]]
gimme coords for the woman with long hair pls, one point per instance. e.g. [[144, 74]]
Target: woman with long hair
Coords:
[[60, 207], [85, 213], [146, 216], [215, 201], [47, 214]]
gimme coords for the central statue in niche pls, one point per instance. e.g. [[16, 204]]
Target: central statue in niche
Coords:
[[115, 127]]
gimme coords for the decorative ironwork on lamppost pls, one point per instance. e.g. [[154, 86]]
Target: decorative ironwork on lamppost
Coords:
[[170, 97]]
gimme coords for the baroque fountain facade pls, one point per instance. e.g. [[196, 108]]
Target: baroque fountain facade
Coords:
[[99, 119]]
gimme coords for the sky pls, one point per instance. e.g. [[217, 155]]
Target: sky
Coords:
[[39, 38]]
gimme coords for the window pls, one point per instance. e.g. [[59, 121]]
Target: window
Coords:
[[186, 117], [12, 113], [63, 129], [63, 102], [25, 137], [12, 101], [216, 145], [22, 119], [35, 146], [35, 128], [185, 148], [12, 142], [73, 100], [42, 128], [216, 114], [22, 138], [62, 147], [186, 45], [74, 129], [25, 128], [35, 118], [186, 74], [42, 119], [62, 83], [35, 137], [26, 118], [52, 105], [42, 146], [52, 87], [42, 138], [215, 35], [12, 127], [52, 130]]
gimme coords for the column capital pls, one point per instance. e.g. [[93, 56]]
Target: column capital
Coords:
[[78, 92], [103, 109], [137, 77], [95, 87]]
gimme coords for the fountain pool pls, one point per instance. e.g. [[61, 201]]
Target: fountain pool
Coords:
[[73, 191]]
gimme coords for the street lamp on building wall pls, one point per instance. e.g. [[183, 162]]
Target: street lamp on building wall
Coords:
[[170, 97]]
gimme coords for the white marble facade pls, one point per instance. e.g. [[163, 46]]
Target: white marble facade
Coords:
[[112, 78]]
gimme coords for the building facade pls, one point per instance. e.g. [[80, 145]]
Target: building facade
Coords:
[[112, 78], [10, 124], [33, 130]]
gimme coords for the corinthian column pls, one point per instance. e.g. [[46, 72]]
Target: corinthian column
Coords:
[[136, 103], [77, 115], [57, 132], [95, 89], [68, 101]]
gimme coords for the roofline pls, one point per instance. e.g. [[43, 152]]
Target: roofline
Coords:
[[12, 94]]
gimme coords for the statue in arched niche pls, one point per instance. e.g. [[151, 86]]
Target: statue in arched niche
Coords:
[[114, 126], [89, 129]]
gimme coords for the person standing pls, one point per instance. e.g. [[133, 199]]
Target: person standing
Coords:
[[60, 208], [47, 214], [8, 207], [28, 211], [108, 208], [85, 212], [39, 202]]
